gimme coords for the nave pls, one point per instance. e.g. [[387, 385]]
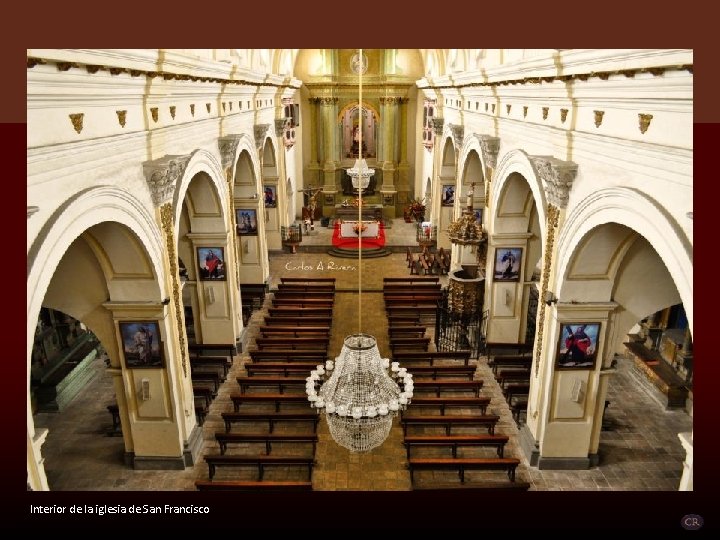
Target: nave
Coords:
[[639, 450]]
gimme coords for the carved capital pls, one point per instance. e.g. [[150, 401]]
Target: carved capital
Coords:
[[458, 133], [314, 101], [327, 101], [490, 147], [280, 124], [390, 100], [161, 175], [227, 146], [558, 177], [260, 131], [437, 125]]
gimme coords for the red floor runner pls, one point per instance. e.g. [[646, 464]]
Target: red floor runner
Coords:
[[367, 243]]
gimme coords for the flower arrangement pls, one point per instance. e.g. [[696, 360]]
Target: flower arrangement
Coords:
[[415, 210]]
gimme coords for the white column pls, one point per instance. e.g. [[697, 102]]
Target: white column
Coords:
[[686, 482]]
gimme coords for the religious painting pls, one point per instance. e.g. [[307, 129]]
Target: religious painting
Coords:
[[448, 195], [507, 264], [246, 220], [270, 196], [578, 345], [211, 263], [141, 344]]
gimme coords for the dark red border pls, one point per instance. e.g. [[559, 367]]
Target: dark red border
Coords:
[[613, 24]]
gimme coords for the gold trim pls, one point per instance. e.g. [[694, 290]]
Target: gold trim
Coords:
[[172, 111], [598, 117], [122, 115], [545, 111], [508, 107], [166, 220], [552, 218], [563, 115], [493, 108], [525, 109], [192, 109], [223, 106], [77, 121], [644, 122], [208, 106], [154, 113]]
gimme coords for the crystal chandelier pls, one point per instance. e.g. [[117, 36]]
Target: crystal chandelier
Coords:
[[358, 395], [356, 391]]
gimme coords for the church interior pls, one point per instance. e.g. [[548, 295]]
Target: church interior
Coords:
[[360, 269]]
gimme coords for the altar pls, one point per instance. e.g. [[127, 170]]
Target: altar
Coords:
[[370, 229], [369, 212]]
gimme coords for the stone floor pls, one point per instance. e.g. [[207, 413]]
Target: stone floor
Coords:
[[641, 451]]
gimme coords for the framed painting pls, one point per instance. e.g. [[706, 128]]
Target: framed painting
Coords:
[[508, 262], [211, 263], [246, 220], [447, 196], [141, 344], [578, 346], [270, 196]]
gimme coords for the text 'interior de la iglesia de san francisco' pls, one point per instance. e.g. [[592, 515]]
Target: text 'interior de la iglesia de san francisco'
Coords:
[[360, 269]]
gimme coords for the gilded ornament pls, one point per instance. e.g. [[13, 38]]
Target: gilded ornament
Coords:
[[525, 109], [545, 111], [154, 113], [563, 115], [166, 219], [598, 117], [644, 122], [122, 115], [192, 109], [172, 111], [77, 121], [508, 107], [208, 106]]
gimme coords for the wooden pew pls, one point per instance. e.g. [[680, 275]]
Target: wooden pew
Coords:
[[204, 393], [299, 312], [280, 382], [472, 486], [435, 372], [462, 464], [514, 361], [286, 355], [284, 368], [443, 402], [272, 418], [411, 280], [300, 287], [505, 376], [212, 349], [301, 295], [270, 333], [211, 361], [404, 321], [519, 407], [321, 343], [224, 439], [226, 460], [410, 344], [455, 441], [511, 391], [447, 421], [201, 412], [438, 386], [298, 321], [302, 303], [492, 348], [114, 411], [307, 280], [208, 377], [244, 485], [406, 331], [276, 399], [426, 311], [405, 357]]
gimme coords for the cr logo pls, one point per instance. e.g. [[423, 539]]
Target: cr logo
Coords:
[[691, 522]]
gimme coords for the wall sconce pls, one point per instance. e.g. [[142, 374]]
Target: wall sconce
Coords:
[[246, 247], [145, 389], [508, 298], [210, 295], [550, 298]]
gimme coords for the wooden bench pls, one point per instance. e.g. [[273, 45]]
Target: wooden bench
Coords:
[[306, 280], [512, 361], [293, 343], [205, 393], [404, 321], [243, 485], [438, 386], [299, 312], [411, 287], [300, 287], [211, 361], [493, 348], [294, 334], [472, 486], [212, 349], [278, 355], [431, 357], [462, 464], [201, 413], [505, 376], [224, 439], [435, 372], [277, 399], [284, 368], [410, 344], [486, 420], [403, 311], [211, 377], [411, 280], [298, 321], [280, 382], [114, 411], [302, 303], [454, 441], [443, 402], [406, 331], [660, 373], [412, 292], [511, 391], [226, 460], [519, 407], [231, 417], [314, 295]]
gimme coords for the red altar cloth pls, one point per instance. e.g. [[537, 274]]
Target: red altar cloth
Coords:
[[367, 243]]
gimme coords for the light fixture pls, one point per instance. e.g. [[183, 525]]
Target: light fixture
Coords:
[[360, 173], [356, 392]]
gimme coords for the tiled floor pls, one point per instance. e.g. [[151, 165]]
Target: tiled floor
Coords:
[[640, 452]]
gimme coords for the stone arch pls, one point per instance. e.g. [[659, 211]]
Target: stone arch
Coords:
[[121, 249]]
